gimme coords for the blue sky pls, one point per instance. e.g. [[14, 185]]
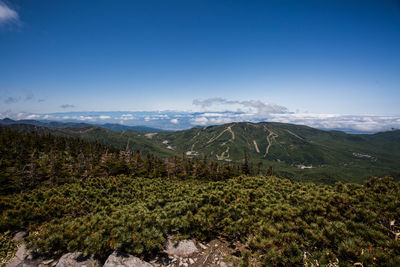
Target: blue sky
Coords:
[[310, 57]]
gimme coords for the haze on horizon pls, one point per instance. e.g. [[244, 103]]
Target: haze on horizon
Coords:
[[327, 64]]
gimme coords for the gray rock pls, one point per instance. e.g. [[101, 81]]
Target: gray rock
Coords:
[[14, 262], [77, 259], [22, 252], [18, 237], [19, 257], [183, 248], [124, 260]]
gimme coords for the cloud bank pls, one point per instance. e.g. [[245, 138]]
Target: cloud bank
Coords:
[[250, 110], [173, 120]]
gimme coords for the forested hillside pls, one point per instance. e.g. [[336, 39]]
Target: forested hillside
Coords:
[[72, 195], [32, 159], [296, 152]]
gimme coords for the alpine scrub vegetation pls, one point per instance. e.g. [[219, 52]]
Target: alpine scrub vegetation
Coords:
[[104, 207], [280, 222]]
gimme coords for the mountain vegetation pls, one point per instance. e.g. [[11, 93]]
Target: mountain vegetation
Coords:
[[31, 160], [295, 152], [74, 195], [55, 124]]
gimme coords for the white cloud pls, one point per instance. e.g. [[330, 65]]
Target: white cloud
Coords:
[[259, 108], [164, 116], [362, 123], [211, 101], [126, 117], [84, 118], [199, 121], [32, 117], [358, 123], [104, 117], [7, 15]]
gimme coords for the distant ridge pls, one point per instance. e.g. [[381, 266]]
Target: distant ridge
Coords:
[[61, 125], [119, 128]]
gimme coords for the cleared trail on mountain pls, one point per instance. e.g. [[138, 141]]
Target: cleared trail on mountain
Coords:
[[292, 133], [256, 146], [194, 137], [229, 128], [271, 137], [222, 156]]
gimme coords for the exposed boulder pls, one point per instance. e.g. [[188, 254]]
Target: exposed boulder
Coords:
[[181, 248], [19, 237], [118, 259], [20, 256], [77, 259]]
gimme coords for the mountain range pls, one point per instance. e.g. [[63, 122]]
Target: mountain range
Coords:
[[293, 151]]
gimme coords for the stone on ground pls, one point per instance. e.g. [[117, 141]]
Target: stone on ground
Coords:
[[77, 259], [124, 260], [181, 248]]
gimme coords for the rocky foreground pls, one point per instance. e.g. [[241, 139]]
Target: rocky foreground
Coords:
[[177, 253]]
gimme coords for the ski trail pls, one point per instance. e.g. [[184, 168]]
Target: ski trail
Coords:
[[292, 133], [192, 147], [232, 132], [271, 136], [232, 138], [197, 134], [226, 152], [222, 156], [256, 146], [218, 136]]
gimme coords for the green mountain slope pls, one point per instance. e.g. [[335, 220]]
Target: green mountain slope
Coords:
[[293, 150], [57, 124], [129, 139]]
